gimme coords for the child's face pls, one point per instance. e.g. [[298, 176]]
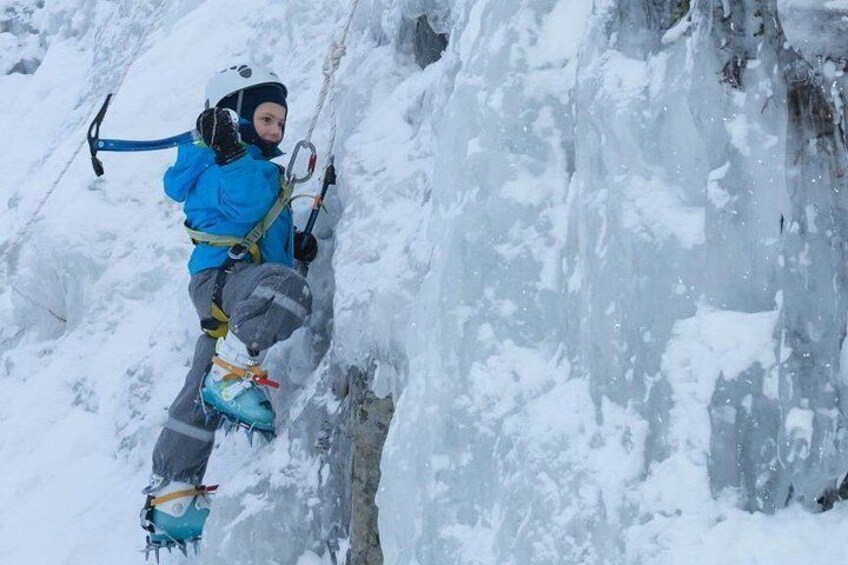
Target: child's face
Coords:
[[269, 121]]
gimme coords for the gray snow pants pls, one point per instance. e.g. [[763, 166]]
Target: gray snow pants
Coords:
[[266, 303]]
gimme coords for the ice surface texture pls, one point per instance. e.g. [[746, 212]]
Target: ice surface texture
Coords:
[[595, 252]]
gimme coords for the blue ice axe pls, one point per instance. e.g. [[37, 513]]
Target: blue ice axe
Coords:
[[96, 144]]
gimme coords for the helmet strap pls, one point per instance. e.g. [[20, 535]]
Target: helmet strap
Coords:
[[239, 101]]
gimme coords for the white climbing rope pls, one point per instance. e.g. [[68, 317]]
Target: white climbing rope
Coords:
[[332, 140], [22, 233], [331, 65]]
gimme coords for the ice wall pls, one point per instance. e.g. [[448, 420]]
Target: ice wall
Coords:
[[682, 206], [635, 329], [814, 244]]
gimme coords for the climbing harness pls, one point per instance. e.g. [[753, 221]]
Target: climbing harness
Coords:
[[217, 324], [239, 246]]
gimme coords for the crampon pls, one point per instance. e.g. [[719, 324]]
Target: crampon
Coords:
[[236, 394], [175, 518], [230, 424]]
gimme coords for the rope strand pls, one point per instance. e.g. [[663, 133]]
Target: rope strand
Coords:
[[331, 65], [22, 233]]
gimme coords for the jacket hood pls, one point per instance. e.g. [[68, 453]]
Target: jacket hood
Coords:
[[192, 160]]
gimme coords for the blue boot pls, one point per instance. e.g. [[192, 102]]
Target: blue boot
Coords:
[[174, 515], [234, 387]]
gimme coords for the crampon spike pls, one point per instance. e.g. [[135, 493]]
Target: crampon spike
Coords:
[[229, 425], [157, 546]]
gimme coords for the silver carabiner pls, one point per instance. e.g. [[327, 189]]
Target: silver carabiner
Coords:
[[313, 159]]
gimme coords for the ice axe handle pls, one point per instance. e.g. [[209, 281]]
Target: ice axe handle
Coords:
[[94, 136], [329, 179]]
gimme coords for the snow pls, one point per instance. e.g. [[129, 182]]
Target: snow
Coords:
[[557, 248]]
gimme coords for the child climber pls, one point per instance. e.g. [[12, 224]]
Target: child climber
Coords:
[[247, 298]]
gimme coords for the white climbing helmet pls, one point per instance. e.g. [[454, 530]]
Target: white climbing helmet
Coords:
[[236, 78]]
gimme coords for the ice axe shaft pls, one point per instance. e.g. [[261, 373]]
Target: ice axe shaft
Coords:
[[129, 145], [329, 180], [95, 144]]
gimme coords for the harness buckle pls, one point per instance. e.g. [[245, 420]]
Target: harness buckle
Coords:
[[237, 252]]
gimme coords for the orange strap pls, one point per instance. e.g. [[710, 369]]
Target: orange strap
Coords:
[[255, 373], [200, 489]]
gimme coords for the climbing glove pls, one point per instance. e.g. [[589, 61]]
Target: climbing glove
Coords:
[[219, 128], [305, 247]]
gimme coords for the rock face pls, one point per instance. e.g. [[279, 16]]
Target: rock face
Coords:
[[369, 424], [428, 45]]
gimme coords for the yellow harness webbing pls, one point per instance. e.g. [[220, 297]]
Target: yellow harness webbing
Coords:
[[217, 325], [249, 241]]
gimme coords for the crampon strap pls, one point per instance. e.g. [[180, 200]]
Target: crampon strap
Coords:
[[255, 374], [198, 490]]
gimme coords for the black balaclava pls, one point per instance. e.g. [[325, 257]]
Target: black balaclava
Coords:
[[251, 98]]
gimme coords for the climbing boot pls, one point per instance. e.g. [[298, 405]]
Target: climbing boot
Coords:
[[173, 515], [234, 387]]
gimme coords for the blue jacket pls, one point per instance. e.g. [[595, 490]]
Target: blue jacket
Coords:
[[229, 200]]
